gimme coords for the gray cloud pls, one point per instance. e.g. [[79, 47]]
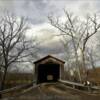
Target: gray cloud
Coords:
[[55, 49], [38, 10], [52, 48]]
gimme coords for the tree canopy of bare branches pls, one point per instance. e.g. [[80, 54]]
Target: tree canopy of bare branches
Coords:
[[79, 30], [14, 45]]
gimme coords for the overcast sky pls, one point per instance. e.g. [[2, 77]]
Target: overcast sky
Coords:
[[37, 12]]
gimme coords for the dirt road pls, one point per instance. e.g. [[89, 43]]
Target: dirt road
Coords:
[[54, 91]]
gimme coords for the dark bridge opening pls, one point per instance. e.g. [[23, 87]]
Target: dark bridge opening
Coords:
[[48, 72]]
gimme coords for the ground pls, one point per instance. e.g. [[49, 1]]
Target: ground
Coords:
[[54, 91]]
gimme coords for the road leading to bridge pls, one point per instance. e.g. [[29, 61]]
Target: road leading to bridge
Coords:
[[54, 91]]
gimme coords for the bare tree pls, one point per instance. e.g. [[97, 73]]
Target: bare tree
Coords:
[[91, 57], [80, 31], [14, 45], [91, 27], [68, 28]]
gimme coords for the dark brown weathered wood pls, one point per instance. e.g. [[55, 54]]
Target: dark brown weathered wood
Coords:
[[49, 61]]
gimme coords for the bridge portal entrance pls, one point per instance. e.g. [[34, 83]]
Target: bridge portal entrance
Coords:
[[49, 69], [48, 72]]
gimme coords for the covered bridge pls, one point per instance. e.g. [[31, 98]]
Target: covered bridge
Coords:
[[49, 69]]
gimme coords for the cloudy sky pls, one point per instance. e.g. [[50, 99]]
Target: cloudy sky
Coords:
[[37, 12]]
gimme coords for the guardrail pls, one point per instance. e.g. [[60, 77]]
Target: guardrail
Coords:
[[81, 86], [17, 94], [15, 88]]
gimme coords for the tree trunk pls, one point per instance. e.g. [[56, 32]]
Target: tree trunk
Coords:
[[84, 70], [3, 81], [76, 60], [77, 67]]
